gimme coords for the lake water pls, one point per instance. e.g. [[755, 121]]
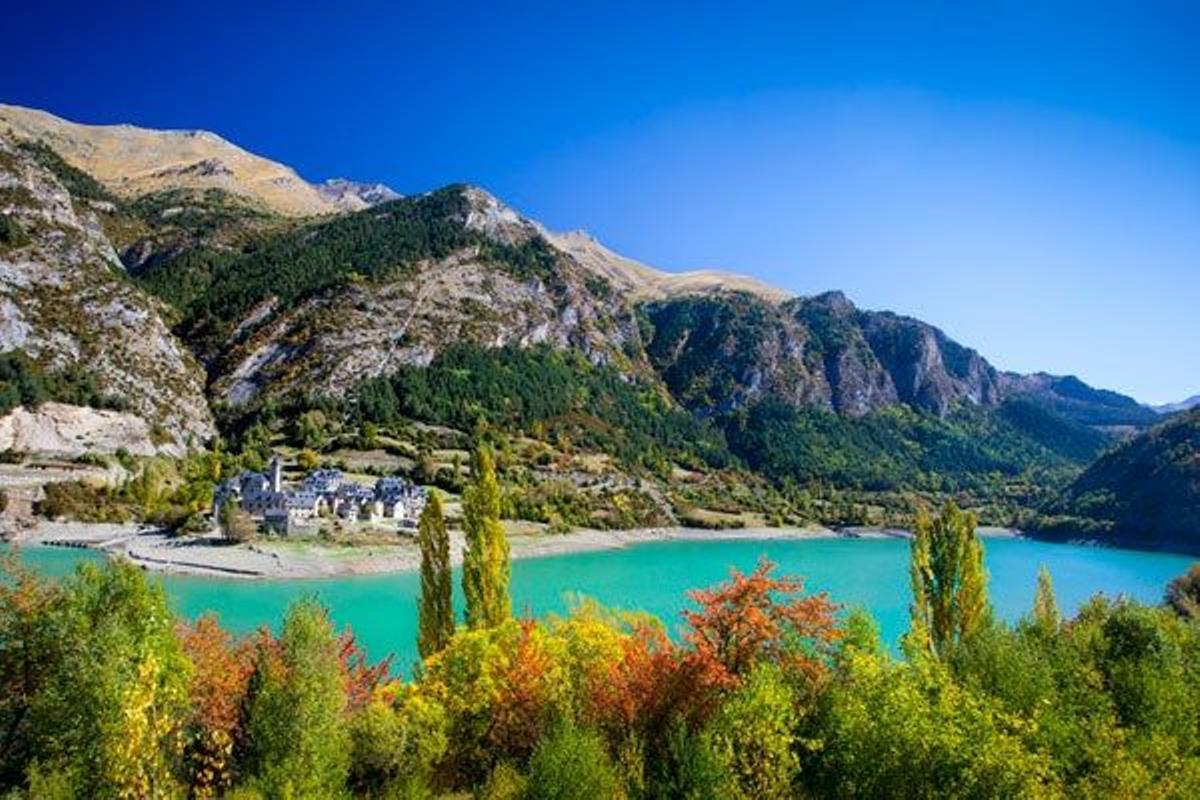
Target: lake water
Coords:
[[654, 577]]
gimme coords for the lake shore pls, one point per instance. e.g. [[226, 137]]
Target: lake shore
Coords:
[[211, 556]]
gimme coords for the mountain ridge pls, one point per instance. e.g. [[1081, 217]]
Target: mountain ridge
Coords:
[[134, 161]]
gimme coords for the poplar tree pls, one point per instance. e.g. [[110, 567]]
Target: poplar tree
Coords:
[[1045, 606], [298, 743], [436, 614], [486, 567], [949, 585]]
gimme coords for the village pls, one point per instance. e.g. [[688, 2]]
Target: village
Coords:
[[323, 493]]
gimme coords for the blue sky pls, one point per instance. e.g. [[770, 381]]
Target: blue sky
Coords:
[[1027, 179]]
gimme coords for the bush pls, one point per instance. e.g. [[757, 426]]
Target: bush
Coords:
[[571, 764], [396, 745], [754, 734], [692, 767], [905, 730], [505, 783]]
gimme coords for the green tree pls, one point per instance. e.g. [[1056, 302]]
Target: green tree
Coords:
[[299, 743], [754, 735], [312, 430], [1045, 607], [436, 614], [949, 584], [486, 566], [109, 715]]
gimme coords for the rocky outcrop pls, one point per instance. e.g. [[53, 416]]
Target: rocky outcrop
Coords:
[[355, 196], [65, 301], [64, 431], [721, 353]]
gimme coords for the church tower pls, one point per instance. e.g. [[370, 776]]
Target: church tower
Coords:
[[276, 475]]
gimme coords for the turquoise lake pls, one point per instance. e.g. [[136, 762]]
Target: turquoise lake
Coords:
[[654, 577]]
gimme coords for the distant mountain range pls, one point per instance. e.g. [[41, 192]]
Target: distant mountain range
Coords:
[[1174, 408], [242, 289]]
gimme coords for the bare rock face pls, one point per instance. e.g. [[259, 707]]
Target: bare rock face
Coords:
[[722, 353], [65, 431], [66, 301], [355, 196]]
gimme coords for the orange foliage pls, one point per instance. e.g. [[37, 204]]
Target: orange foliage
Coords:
[[522, 711], [362, 677], [643, 689], [221, 676], [756, 616]]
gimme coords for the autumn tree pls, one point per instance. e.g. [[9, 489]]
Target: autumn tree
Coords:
[[759, 617], [109, 716], [486, 567], [949, 585], [217, 691], [436, 614]]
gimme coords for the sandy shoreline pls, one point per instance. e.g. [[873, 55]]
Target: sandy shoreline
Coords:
[[281, 559]]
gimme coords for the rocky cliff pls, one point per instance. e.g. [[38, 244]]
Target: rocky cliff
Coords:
[[721, 353], [66, 302]]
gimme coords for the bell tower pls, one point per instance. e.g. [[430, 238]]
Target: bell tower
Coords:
[[276, 475]]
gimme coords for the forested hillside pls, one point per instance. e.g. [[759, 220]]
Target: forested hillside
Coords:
[[1145, 492]]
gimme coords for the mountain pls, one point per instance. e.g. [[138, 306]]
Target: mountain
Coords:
[[379, 314], [1175, 408], [364, 312], [1144, 493], [1075, 400], [355, 196], [720, 353], [133, 162], [81, 327]]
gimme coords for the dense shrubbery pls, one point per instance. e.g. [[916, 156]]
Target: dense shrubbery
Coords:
[[174, 493], [764, 697]]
